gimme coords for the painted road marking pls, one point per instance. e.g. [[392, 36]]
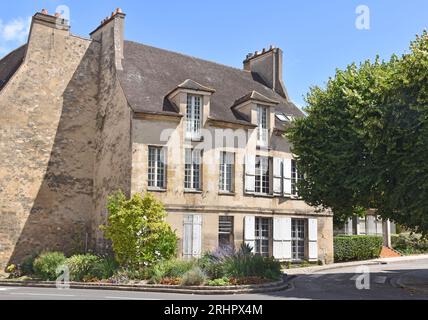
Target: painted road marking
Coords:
[[380, 280]]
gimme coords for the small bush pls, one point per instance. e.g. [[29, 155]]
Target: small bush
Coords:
[[223, 282], [27, 265], [408, 244], [89, 267], [124, 276], [242, 266], [357, 248], [194, 277], [212, 266], [46, 265], [170, 269]]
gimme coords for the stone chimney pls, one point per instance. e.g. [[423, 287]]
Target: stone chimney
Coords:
[[54, 21], [267, 65], [112, 28]]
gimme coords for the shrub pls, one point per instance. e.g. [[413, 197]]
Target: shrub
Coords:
[[89, 267], [245, 265], [45, 266], [127, 275], [356, 248], [410, 244], [223, 282], [170, 269], [138, 231], [27, 265], [212, 266], [194, 277]]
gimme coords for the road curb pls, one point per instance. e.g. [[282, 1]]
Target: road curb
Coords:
[[233, 290]]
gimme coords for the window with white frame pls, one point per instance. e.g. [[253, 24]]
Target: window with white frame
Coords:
[[262, 175], [227, 168], [298, 233], [156, 167], [295, 177], [262, 122], [193, 166], [193, 116], [263, 236]]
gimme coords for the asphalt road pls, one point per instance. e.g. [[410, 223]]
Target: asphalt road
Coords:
[[338, 284]]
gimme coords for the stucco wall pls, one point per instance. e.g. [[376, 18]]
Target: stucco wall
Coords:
[[47, 129]]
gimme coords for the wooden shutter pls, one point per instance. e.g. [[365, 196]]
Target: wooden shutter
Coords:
[[287, 177], [250, 231], [313, 239], [282, 238], [188, 237], [277, 176], [250, 174], [197, 236]]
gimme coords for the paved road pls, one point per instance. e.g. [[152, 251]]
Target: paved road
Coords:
[[332, 284]]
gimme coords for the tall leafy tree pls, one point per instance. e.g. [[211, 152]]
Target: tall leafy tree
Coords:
[[364, 142]]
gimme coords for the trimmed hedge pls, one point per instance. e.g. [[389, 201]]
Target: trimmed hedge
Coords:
[[357, 248]]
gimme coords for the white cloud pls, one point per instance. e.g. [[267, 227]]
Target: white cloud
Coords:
[[13, 33], [15, 30]]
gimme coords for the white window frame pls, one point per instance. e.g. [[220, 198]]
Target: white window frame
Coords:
[[193, 166], [194, 115], [156, 167], [298, 239], [227, 170], [260, 238], [262, 171], [295, 178], [263, 125]]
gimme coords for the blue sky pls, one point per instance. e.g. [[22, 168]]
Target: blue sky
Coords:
[[317, 36]]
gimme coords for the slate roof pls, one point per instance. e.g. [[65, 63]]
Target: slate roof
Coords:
[[10, 63], [150, 74]]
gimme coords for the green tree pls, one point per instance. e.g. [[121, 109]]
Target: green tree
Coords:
[[139, 233], [364, 142]]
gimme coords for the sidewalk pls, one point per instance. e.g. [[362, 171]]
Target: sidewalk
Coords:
[[316, 269]]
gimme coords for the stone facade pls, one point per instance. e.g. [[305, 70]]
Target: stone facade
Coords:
[[69, 138]]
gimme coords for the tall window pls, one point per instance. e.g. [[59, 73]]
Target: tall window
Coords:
[[193, 164], [262, 122], [193, 116], [298, 239], [227, 164], [295, 177], [156, 168], [262, 175], [225, 233], [263, 236]]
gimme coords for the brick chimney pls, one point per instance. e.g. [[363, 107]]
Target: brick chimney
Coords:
[[112, 28], [267, 65]]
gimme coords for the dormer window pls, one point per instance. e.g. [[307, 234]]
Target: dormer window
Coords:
[[263, 125], [194, 116]]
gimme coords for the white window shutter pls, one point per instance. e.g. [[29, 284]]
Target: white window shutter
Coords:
[[287, 176], [277, 176], [197, 236], [250, 173], [282, 238], [313, 239], [187, 236], [250, 231]]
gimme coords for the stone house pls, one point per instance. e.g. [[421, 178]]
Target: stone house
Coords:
[[82, 118]]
